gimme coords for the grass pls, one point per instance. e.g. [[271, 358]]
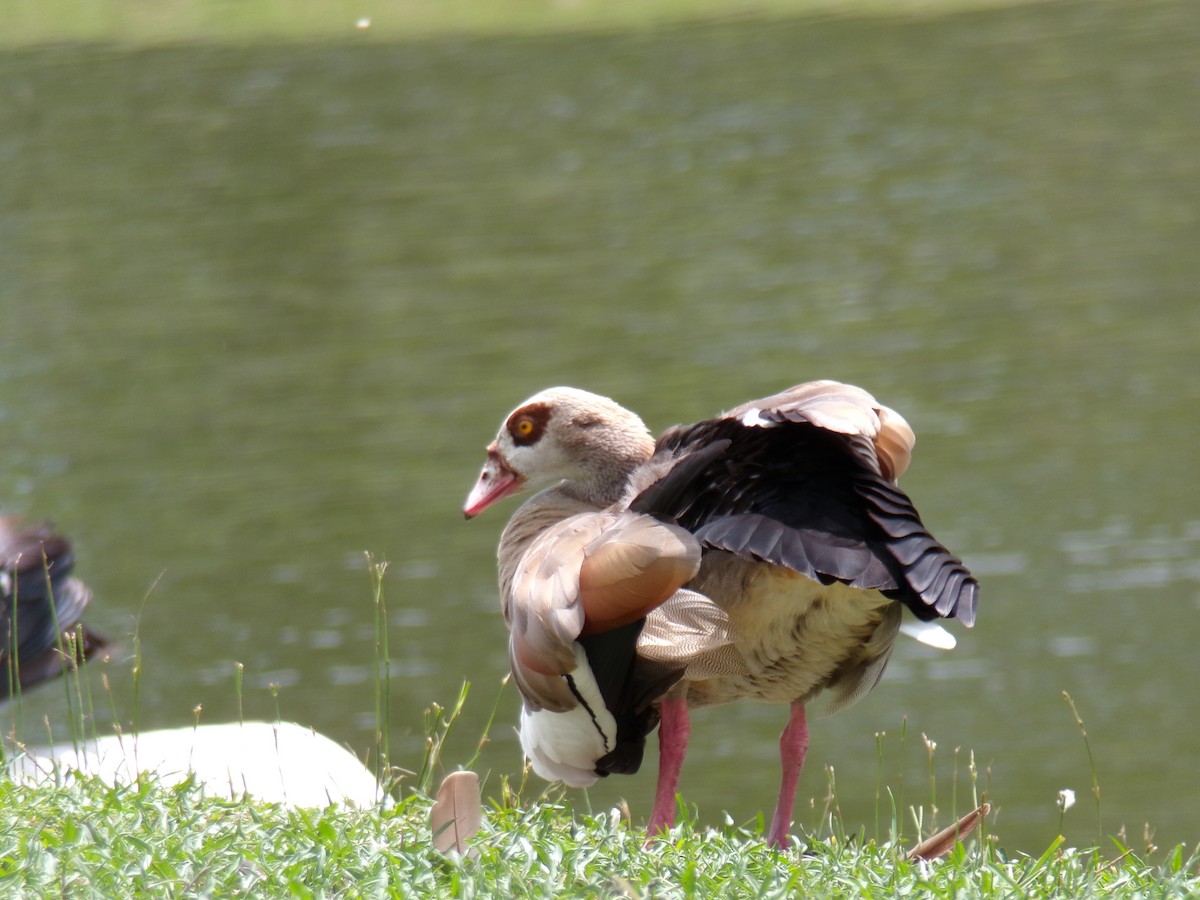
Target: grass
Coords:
[[82, 837], [25, 22], [93, 839]]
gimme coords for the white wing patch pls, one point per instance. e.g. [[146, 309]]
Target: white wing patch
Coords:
[[929, 633], [565, 746], [752, 418]]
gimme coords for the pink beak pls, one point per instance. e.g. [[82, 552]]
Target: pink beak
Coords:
[[496, 481]]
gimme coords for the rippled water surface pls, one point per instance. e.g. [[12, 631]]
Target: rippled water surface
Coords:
[[262, 308]]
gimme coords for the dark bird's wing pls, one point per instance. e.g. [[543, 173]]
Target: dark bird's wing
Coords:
[[806, 482], [40, 607]]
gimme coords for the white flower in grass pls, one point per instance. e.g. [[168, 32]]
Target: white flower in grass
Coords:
[[1066, 799]]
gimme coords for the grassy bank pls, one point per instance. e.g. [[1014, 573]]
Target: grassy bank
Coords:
[[89, 839], [78, 836], [24, 22]]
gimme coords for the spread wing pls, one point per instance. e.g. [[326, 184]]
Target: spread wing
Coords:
[[805, 479]]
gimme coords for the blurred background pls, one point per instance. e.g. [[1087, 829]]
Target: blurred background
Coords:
[[269, 285]]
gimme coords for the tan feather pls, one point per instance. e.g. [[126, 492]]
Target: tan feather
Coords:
[[691, 631], [586, 574], [543, 609], [546, 615], [849, 410], [457, 814], [540, 691], [856, 681], [943, 842], [632, 568], [894, 443]]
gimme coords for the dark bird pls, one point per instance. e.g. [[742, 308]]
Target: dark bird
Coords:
[[40, 607], [766, 554]]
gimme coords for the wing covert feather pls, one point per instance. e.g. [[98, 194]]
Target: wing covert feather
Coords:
[[589, 574], [844, 409], [633, 567]]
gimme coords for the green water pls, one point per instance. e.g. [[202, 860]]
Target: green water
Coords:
[[261, 308]]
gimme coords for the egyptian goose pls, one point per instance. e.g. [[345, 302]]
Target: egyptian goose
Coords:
[[765, 554], [40, 600]]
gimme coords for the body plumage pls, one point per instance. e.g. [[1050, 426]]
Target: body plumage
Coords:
[[765, 554]]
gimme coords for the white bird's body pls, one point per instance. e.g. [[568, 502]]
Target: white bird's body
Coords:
[[276, 762]]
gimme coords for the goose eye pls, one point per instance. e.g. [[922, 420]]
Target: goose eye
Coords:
[[528, 423]]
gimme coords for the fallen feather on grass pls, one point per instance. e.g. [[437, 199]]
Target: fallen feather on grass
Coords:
[[943, 842], [456, 814]]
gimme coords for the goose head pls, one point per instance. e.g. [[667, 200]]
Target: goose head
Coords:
[[584, 442]]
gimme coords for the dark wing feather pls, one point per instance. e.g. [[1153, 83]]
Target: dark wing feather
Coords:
[[935, 574], [812, 500], [628, 693]]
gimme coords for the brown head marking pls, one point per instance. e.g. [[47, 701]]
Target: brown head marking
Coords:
[[528, 424]]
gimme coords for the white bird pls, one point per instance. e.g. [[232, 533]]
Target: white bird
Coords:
[[276, 762], [765, 554]]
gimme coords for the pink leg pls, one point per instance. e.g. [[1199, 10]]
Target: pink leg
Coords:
[[673, 732], [793, 747]]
